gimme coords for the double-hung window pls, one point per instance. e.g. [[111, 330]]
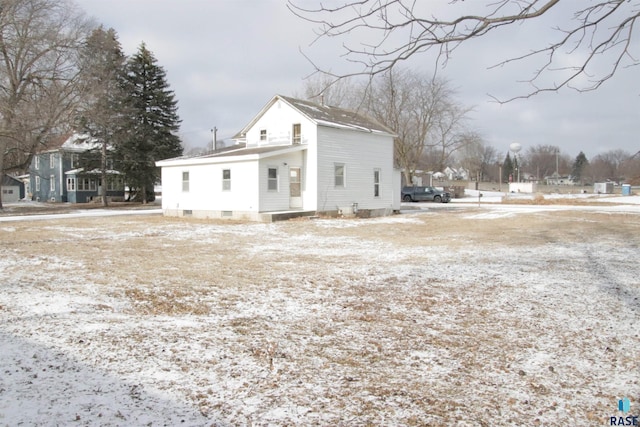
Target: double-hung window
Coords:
[[52, 182], [376, 183], [272, 179], [263, 134], [226, 179], [185, 181], [71, 184], [339, 175]]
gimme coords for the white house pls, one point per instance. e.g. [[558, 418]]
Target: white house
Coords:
[[296, 157]]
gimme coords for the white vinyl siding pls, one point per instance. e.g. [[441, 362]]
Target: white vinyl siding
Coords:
[[203, 195], [361, 153]]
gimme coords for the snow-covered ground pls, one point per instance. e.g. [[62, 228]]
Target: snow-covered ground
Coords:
[[449, 314]]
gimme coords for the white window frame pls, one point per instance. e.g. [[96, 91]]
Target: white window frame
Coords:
[[71, 184], [114, 183], [37, 183], [339, 180], [86, 184], [185, 181], [376, 182], [226, 181], [52, 160], [37, 162], [75, 158], [272, 182], [52, 182], [263, 134]]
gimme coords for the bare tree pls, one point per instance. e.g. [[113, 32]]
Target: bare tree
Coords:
[[544, 160], [39, 41], [608, 165], [321, 90], [422, 111], [595, 37], [631, 169], [478, 158], [449, 133]]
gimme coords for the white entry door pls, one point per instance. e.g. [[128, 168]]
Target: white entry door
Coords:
[[295, 188]]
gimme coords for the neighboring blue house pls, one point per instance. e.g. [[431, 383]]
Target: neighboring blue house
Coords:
[[56, 175]]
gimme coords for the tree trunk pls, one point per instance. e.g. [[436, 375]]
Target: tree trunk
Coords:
[[3, 149], [103, 163]]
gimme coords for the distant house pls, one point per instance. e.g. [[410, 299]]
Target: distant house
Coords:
[[556, 179], [56, 175], [296, 157], [12, 189], [456, 174]]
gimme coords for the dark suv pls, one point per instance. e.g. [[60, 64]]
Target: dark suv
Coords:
[[425, 194]]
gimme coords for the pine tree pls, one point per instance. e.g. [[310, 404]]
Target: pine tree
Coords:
[[579, 165], [152, 124], [104, 107], [507, 169]]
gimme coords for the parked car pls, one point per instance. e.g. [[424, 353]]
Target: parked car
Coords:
[[425, 194]]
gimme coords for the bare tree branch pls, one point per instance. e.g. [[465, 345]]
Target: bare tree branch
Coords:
[[598, 36]]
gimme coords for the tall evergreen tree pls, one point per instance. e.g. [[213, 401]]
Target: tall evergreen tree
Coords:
[[104, 108], [579, 165], [152, 124], [507, 169]]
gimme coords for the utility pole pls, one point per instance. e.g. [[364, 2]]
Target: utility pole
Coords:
[[214, 132]]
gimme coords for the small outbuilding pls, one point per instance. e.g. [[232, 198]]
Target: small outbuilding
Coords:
[[12, 189]]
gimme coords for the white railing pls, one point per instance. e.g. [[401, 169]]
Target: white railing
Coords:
[[282, 138]]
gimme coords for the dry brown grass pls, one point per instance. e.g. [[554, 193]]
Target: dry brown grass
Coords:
[[541, 199], [353, 320]]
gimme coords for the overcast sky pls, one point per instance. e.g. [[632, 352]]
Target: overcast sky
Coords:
[[225, 59]]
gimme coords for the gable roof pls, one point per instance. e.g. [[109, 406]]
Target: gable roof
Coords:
[[9, 181], [324, 115], [70, 142]]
